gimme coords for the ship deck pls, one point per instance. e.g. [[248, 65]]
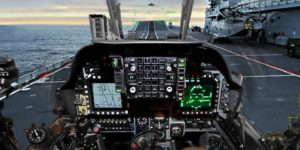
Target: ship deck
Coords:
[[271, 87]]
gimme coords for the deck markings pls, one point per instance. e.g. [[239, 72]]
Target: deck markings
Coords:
[[235, 64], [51, 82], [29, 107], [147, 31], [32, 95], [269, 76], [254, 55], [299, 100], [279, 99], [248, 58], [256, 61]]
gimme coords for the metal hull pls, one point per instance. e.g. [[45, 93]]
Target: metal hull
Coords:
[[280, 19], [225, 28], [285, 21]]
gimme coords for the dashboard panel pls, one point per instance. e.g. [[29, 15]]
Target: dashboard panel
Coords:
[[172, 89]]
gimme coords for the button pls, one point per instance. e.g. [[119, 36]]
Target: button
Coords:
[[181, 78], [126, 65], [154, 75], [161, 82], [116, 62], [161, 95], [147, 95], [118, 89], [154, 88], [182, 60], [140, 68], [140, 82], [162, 76], [147, 83], [154, 94], [132, 59], [162, 88], [147, 60], [147, 76], [154, 68], [154, 82], [181, 65], [140, 76], [140, 95], [154, 61], [162, 60], [132, 90], [148, 88], [140, 60], [131, 77], [181, 70], [147, 68], [140, 89], [170, 77], [161, 67]]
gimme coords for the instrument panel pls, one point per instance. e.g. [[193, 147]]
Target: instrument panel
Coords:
[[135, 80], [167, 90], [134, 94]]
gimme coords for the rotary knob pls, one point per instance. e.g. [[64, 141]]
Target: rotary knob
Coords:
[[169, 89], [169, 68], [143, 142], [132, 68], [132, 90]]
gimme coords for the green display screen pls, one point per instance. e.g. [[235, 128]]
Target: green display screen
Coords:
[[197, 95]]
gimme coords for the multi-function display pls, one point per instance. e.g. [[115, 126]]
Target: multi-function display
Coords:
[[105, 96]]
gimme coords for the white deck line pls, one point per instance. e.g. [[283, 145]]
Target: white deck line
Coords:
[[254, 55], [253, 60], [12, 93], [49, 82], [155, 31], [148, 31], [269, 76], [256, 61]]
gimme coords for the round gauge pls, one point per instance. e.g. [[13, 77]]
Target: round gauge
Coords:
[[142, 122], [37, 135]]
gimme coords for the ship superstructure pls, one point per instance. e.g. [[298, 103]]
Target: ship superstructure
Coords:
[[231, 17]]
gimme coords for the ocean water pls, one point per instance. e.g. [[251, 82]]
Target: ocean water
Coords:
[[35, 46]]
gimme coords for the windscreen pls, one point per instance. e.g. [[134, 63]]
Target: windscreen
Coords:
[[164, 12]]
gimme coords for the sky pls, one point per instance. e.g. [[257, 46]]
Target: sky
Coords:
[[75, 12]]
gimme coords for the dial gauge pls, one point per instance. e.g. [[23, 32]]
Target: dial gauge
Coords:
[[37, 135]]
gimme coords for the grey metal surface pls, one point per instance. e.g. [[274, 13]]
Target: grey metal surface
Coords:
[[34, 105], [151, 30], [270, 94], [115, 16], [186, 13], [268, 5], [281, 16]]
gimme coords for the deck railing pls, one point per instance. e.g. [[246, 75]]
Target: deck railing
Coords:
[[257, 5], [268, 4], [34, 75]]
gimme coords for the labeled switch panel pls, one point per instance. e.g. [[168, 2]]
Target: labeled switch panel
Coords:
[[151, 77]]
